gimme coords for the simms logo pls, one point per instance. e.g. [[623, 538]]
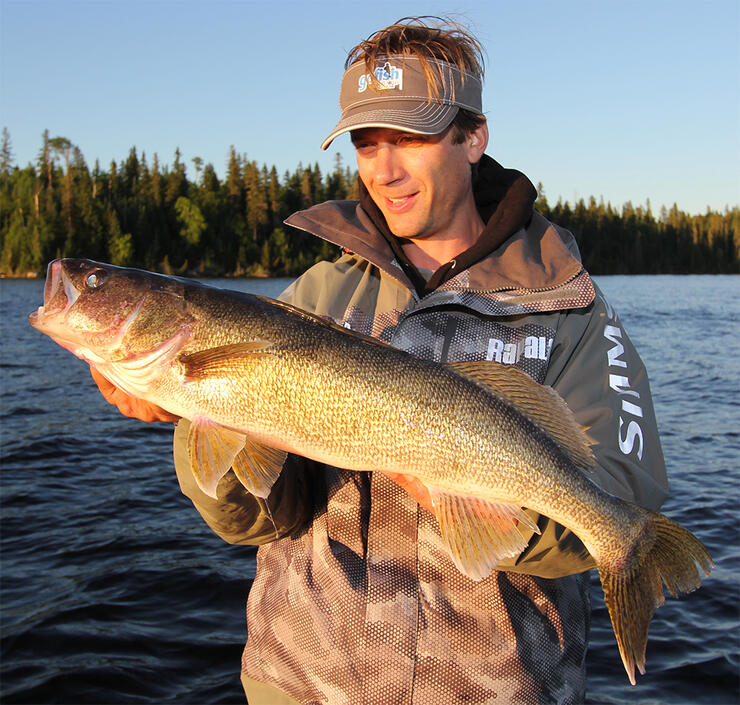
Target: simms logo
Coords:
[[532, 348], [630, 432], [387, 76]]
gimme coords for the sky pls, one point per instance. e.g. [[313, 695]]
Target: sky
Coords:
[[622, 100]]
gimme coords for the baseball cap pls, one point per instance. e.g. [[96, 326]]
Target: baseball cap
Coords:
[[400, 98]]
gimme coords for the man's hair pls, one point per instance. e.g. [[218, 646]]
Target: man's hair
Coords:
[[427, 38]]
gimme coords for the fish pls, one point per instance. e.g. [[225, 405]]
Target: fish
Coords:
[[259, 379]]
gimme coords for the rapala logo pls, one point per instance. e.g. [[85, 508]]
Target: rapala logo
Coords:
[[630, 432], [388, 77], [532, 348]]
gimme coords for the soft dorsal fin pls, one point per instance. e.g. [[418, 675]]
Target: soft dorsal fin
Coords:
[[479, 534], [202, 363], [542, 405]]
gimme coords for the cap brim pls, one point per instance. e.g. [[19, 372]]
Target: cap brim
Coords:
[[422, 118]]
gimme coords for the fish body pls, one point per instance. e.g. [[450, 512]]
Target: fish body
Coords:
[[259, 379]]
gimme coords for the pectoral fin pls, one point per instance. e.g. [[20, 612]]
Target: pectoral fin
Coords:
[[479, 534], [219, 360]]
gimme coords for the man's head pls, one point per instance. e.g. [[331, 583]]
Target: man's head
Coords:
[[411, 97], [413, 76]]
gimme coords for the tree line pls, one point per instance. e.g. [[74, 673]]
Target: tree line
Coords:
[[153, 216]]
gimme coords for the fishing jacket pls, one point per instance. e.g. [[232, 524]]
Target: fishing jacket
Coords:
[[356, 599]]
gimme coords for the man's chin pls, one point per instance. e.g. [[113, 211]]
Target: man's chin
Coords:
[[401, 227]]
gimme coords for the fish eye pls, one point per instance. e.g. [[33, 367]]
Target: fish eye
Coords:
[[95, 279]]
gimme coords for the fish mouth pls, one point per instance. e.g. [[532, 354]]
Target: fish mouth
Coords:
[[59, 295]]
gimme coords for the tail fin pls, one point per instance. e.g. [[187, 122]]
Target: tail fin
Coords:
[[665, 551]]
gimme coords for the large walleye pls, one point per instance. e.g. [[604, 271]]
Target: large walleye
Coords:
[[258, 379]]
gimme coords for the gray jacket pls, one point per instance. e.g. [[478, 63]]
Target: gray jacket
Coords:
[[357, 600]]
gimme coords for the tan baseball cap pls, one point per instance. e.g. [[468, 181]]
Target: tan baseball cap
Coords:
[[399, 99]]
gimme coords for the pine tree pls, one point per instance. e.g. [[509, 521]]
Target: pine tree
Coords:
[[257, 205], [198, 164], [6, 154]]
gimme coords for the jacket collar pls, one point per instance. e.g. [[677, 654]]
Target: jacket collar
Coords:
[[518, 248]]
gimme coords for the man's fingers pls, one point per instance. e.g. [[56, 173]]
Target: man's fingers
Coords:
[[414, 487], [107, 389]]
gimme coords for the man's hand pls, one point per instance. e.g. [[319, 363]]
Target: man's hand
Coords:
[[414, 487], [130, 406]]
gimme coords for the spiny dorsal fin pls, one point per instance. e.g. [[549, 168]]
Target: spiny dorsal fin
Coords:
[[258, 466], [202, 363], [542, 405], [322, 321], [212, 449], [479, 534]]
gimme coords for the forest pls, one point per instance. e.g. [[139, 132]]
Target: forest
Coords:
[[150, 215]]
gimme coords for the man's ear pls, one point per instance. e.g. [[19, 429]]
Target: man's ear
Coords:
[[476, 143]]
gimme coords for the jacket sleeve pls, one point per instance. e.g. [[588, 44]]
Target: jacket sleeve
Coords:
[[596, 369]]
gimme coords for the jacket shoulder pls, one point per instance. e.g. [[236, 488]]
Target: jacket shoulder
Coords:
[[541, 224]]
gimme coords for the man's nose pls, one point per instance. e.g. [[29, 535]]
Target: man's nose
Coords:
[[388, 165]]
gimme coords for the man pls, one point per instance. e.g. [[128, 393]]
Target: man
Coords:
[[356, 599]]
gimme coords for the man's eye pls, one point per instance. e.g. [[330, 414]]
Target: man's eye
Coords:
[[410, 139]]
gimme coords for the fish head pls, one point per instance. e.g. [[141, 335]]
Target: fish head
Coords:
[[103, 313]]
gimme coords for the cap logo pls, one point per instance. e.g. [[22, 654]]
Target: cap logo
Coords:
[[388, 77]]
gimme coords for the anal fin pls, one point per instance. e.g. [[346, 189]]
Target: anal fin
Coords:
[[479, 533]]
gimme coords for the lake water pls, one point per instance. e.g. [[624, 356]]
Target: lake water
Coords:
[[113, 590]]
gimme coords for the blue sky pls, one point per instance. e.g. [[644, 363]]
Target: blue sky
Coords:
[[623, 100]]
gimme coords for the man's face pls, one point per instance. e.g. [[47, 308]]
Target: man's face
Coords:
[[422, 184]]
